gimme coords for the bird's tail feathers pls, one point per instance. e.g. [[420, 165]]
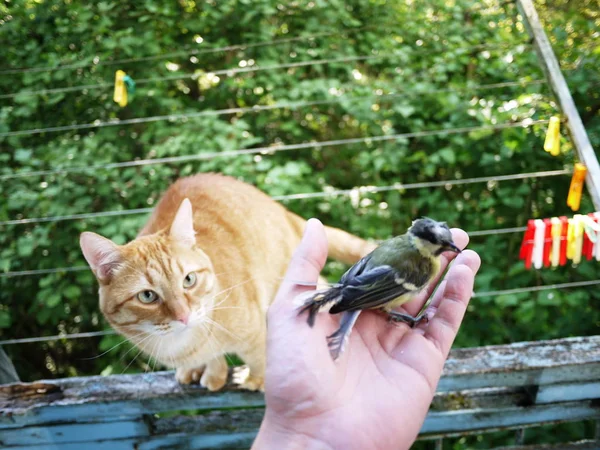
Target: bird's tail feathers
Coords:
[[315, 301], [337, 341]]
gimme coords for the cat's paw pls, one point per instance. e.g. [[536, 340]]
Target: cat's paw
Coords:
[[246, 380], [213, 382], [215, 374], [189, 376]]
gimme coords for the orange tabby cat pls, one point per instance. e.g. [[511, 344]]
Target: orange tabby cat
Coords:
[[197, 281]]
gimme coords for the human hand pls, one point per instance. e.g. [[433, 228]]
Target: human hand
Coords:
[[377, 394]]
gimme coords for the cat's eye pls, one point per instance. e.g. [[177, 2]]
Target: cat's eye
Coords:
[[147, 296], [189, 280]]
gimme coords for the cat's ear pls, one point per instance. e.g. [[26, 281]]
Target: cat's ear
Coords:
[[182, 228], [102, 254]]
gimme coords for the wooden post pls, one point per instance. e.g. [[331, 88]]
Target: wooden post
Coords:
[[559, 86]]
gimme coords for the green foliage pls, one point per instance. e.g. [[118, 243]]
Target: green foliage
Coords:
[[424, 54]]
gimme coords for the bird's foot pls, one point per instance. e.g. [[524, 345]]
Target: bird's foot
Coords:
[[411, 321]]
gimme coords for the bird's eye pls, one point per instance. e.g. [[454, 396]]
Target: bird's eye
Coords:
[[189, 280], [147, 296]]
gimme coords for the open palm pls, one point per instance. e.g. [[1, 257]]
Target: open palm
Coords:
[[377, 394]]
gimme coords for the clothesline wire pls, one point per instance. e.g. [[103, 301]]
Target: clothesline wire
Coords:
[[266, 150], [238, 70], [522, 290], [188, 52], [323, 194], [259, 108], [24, 273], [192, 51]]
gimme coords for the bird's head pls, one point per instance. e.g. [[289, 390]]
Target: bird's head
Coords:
[[436, 234]]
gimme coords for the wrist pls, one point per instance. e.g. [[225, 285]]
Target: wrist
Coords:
[[275, 435]]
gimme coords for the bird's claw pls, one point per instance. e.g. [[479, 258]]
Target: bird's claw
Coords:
[[411, 321]]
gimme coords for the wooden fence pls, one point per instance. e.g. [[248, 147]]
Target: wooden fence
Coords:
[[483, 389]]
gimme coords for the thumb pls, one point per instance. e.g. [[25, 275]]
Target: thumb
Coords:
[[305, 266]]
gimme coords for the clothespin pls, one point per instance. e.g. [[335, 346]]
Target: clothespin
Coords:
[[547, 242], [564, 230], [597, 245], [574, 198], [556, 234], [538, 243], [590, 236], [527, 244], [571, 239], [578, 238], [552, 141], [129, 85], [124, 88]]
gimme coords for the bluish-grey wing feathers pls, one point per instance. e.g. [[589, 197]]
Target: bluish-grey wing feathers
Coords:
[[365, 288]]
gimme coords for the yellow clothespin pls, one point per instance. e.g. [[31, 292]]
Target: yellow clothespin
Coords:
[[571, 239], [120, 95], [556, 234], [578, 241], [574, 198], [552, 142]]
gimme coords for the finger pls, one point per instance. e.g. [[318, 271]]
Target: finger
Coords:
[[469, 258], [453, 302], [461, 239], [305, 266]]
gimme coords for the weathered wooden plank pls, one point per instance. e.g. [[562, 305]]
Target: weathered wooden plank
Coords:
[[524, 363], [237, 428], [96, 398], [80, 433], [448, 423], [551, 67], [561, 392], [128, 444], [579, 445]]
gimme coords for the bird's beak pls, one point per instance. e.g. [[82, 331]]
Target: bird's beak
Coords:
[[452, 248]]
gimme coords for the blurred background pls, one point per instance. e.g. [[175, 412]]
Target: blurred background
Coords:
[[381, 79]]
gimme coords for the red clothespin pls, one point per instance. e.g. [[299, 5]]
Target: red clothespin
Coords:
[[588, 246], [589, 249], [527, 244], [563, 240], [547, 242]]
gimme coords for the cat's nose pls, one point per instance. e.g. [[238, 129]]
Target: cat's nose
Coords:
[[184, 318]]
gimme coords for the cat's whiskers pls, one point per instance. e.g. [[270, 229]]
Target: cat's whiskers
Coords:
[[138, 353], [113, 347], [212, 337], [221, 327], [156, 344], [157, 353], [137, 345]]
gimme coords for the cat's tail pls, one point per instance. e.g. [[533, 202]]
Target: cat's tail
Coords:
[[343, 246], [346, 247], [314, 301]]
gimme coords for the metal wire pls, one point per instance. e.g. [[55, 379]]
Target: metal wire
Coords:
[[536, 288], [238, 70], [36, 272], [307, 195], [269, 149], [28, 273], [57, 337], [474, 295], [259, 108], [189, 52]]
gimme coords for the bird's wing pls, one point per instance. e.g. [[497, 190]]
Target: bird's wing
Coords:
[[375, 287], [355, 270]]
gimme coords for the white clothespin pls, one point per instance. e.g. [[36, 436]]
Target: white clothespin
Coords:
[[556, 234], [578, 230], [538, 244]]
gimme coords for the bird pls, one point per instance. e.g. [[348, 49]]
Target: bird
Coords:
[[392, 274]]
